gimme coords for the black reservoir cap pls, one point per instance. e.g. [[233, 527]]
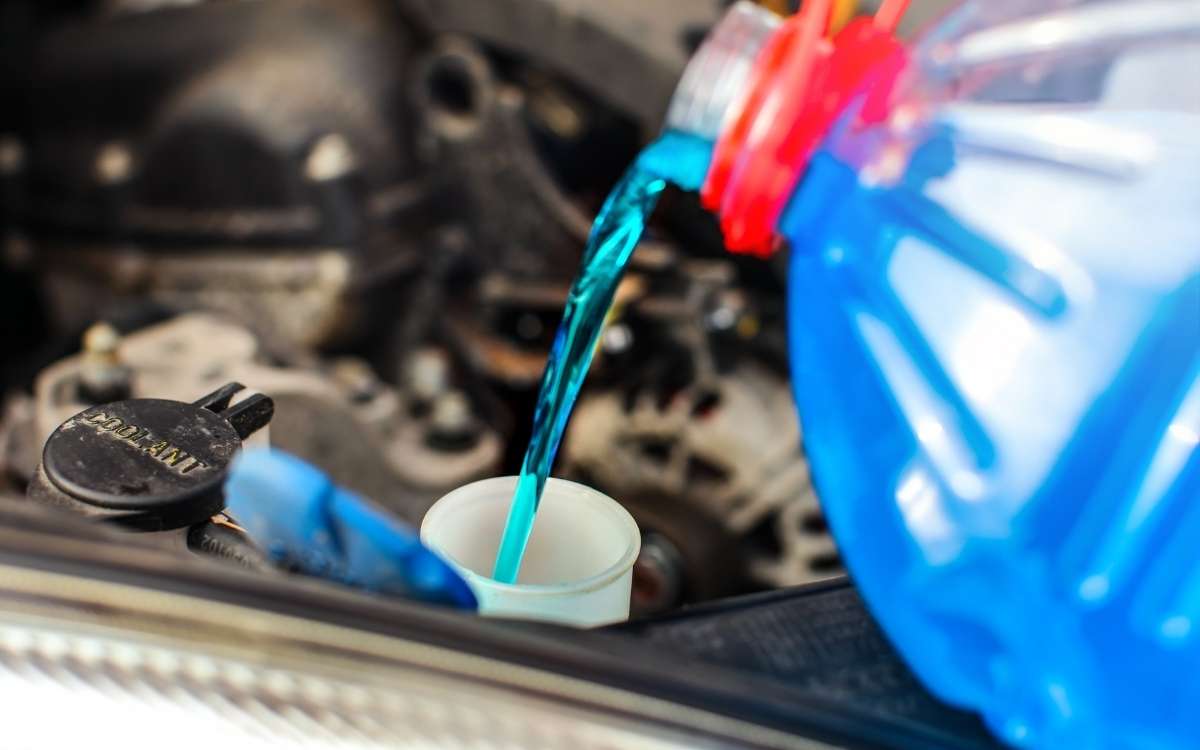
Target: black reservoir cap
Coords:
[[152, 463]]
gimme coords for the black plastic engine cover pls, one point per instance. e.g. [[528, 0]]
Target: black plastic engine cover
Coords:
[[821, 641]]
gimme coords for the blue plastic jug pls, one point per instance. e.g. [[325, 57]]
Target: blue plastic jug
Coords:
[[995, 340]]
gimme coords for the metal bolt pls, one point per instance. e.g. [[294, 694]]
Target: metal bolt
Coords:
[[427, 374], [657, 575], [555, 109], [452, 414], [726, 309], [101, 342], [722, 319], [617, 338], [114, 163], [102, 376], [330, 158], [357, 378], [12, 155], [452, 424]]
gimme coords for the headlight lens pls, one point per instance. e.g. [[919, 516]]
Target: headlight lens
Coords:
[[84, 660]]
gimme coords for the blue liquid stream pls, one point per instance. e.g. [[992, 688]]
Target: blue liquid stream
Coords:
[[675, 158]]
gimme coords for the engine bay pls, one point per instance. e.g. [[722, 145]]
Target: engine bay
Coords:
[[378, 233], [310, 308]]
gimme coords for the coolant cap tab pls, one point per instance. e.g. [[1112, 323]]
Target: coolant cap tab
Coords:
[[159, 463]]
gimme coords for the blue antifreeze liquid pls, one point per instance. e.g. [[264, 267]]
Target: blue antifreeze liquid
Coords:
[[673, 158]]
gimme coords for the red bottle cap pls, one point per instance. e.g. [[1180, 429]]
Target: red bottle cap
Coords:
[[800, 83]]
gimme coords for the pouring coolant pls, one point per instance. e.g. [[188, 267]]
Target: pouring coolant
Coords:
[[995, 336], [675, 158]]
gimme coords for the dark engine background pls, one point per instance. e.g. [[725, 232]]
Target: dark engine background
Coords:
[[372, 211]]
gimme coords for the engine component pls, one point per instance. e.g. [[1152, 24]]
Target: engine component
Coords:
[[259, 163], [473, 133], [407, 181], [715, 478], [627, 54], [102, 377], [700, 441], [292, 156], [395, 447], [149, 464]]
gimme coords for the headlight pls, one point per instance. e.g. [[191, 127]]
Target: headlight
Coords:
[[83, 660]]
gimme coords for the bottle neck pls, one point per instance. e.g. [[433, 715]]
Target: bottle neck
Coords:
[[717, 78]]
